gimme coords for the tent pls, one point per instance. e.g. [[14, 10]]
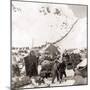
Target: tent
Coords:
[[51, 49]]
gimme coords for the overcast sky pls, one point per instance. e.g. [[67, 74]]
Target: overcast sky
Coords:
[[30, 26], [79, 11]]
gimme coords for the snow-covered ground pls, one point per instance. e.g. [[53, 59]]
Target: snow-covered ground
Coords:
[[70, 80], [48, 82]]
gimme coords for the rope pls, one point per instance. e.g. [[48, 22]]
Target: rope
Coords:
[[66, 33]]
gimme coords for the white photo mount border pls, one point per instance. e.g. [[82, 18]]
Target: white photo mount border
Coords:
[[53, 42]]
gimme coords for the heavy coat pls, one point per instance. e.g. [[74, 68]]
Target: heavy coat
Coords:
[[31, 63], [61, 68]]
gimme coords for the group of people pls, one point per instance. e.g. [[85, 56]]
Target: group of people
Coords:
[[31, 65]]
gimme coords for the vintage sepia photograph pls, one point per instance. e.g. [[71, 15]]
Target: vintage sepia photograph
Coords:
[[49, 44]]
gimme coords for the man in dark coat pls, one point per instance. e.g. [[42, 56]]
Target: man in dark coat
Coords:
[[55, 72], [31, 64], [62, 68]]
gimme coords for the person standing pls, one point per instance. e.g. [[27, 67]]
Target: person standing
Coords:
[[62, 68], [55, 71], [31, 64]]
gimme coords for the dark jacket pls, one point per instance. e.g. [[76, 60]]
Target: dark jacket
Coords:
[[62, 67], [31, 63]]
